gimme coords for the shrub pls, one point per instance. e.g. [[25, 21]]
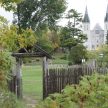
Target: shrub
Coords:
[[5, 68], [92, 92], [8, 100], [77, 53]]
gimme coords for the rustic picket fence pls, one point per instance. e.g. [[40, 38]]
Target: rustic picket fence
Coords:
[[58, 76]]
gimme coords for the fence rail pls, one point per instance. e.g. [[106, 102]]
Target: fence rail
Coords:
[[56, 78]]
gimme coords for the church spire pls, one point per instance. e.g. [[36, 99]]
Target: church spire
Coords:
[[86, 16], [106, 17]]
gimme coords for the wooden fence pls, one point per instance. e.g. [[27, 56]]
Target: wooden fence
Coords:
[[56, 78]]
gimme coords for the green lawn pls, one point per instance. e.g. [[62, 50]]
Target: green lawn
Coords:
[[58, 58], [32, 81], [32, 78]]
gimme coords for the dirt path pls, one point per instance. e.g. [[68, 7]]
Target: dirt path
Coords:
[[29, 101]]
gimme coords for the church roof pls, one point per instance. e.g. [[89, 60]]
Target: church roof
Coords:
[[86, 16], [106, 17], [97, 27]]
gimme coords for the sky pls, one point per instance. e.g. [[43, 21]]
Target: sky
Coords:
[[7, 15], [96, 10]]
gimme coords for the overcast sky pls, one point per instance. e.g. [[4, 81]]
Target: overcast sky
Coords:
[[96, 10]]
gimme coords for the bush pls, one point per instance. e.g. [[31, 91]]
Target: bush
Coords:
[[77, 53], [92, 92], [8, 100], [5, 68]]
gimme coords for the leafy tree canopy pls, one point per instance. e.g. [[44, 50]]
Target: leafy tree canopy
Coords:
[[3, 23], [102, 55], [72, 34], [11, 40], [9, 4], [107, 38], [39, 14], [48, 40], [77, 53]]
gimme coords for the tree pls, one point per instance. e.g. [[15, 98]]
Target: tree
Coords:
[[71, 35], [54, 38], [102, 58], [77, 53], [39, 14], [44, 41], [107, 38], [9, 4], [12, 41], [3, 21]]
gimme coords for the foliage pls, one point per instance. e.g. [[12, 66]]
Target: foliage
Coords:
[[39, 14], [54, 38], [66, 39], [92, 54], [8, 38], [107, 38], [71, 35], [77, 53], [92, 92], [3, 21], [11, 40], [8, 100], [48, 40], [5, 68], [9, 4], [44, 41], [102, 55], [27, 38]]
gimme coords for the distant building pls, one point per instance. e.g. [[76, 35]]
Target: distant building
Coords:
[[97, 36]]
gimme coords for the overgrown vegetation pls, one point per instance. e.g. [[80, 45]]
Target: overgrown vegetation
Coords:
[[11, 40], [7, 99], [5, 69], [91, 92]]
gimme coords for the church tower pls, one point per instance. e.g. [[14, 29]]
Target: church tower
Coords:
[[106, 25], [86, 29]]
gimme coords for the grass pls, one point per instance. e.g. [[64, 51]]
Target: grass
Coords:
[[32, 81], [58, 58]]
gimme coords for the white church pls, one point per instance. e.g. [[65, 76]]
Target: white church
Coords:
[[97, 36]]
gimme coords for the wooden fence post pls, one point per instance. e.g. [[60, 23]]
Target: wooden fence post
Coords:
[[18, 77], [45, 69]]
